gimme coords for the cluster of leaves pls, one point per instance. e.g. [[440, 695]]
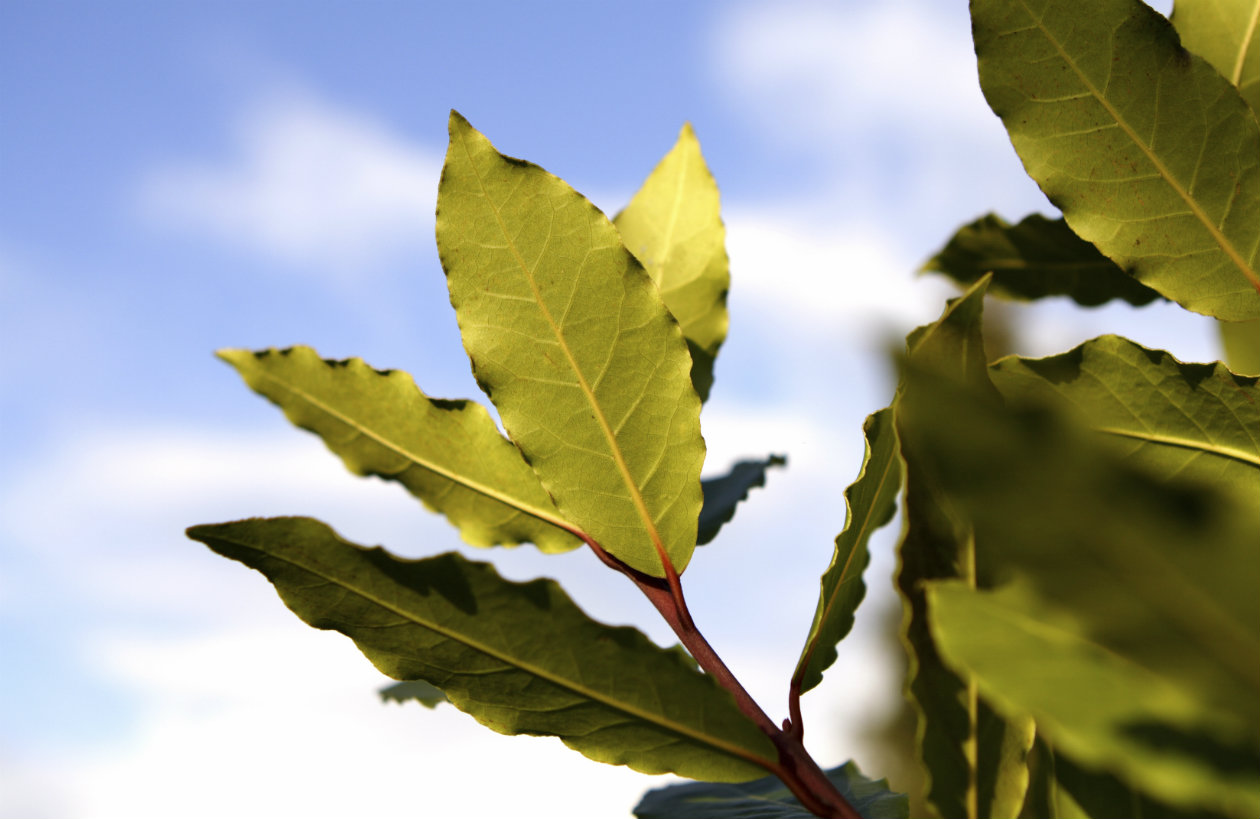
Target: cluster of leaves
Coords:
[[1079, 553]]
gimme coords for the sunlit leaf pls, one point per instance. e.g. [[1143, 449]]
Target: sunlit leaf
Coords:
[[673, 225], [722, 495], [427, 694], [570, 339], [768, 798], [870, 502], [1197, 422], [1036, 258], [1097, 707], [972, 753], [1150, 154], [1226, 33], [447, 453], [519, 657]]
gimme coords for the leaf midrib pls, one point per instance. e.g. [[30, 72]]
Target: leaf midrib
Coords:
[[609, 436], [1249, 458], [421, 462], [522, 666], [1248, 36], [1221, 240]]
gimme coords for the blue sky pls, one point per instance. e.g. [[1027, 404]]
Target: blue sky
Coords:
[[181, 177]]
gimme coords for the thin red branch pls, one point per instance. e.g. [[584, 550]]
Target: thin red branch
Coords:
[[795, 767]]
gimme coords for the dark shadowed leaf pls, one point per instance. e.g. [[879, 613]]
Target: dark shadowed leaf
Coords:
[[569, 337], [1099, 709], [673, 226], [722, 495], [1162, 572], [449, 454], [1148, 151], [519, 657], [1037, 258], [869, 502], [768, 798], [428, 695], [973, 754]]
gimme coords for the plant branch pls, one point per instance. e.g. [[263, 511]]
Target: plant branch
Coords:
[[795, 767]]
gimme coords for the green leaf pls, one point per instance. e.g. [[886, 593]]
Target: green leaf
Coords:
[[673, 226], [447, 453], [1037, 258], [1047, 799], [519, 657], [1104, 795], [768, 798], [869, 503], [428, 695], [1241, 340], [1197, 422], [973, 754], [1226, 33], [722, 495], [1149, 153], [1163, 573], [570, 339], [1094, 705]]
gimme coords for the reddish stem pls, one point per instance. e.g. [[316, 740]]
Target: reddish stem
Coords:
[[795, 767]]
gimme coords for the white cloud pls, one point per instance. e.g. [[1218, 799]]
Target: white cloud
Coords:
[[311, 184]]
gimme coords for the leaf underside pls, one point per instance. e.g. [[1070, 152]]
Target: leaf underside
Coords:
[[673, 226], [870, 502], [768, 798], [1226, 33], [1034, 259], [449, 454], [570, 339], [1150, 154], [1195, 422], [519, 657]]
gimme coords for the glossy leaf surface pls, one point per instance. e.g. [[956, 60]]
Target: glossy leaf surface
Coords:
[[449, 454], [1150, 154], [722, 495], [1196, 422], [967, 747], [570, 339], [519, 657], [1096, 706], [673, 226], [1036, 258], [869, 502], [1226, 33], [768, 798]]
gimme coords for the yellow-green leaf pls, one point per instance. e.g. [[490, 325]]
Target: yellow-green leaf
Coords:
[[521, 658], [673, 225], [1226, 33], [570, 339], [1150, 153], [447, 453]]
